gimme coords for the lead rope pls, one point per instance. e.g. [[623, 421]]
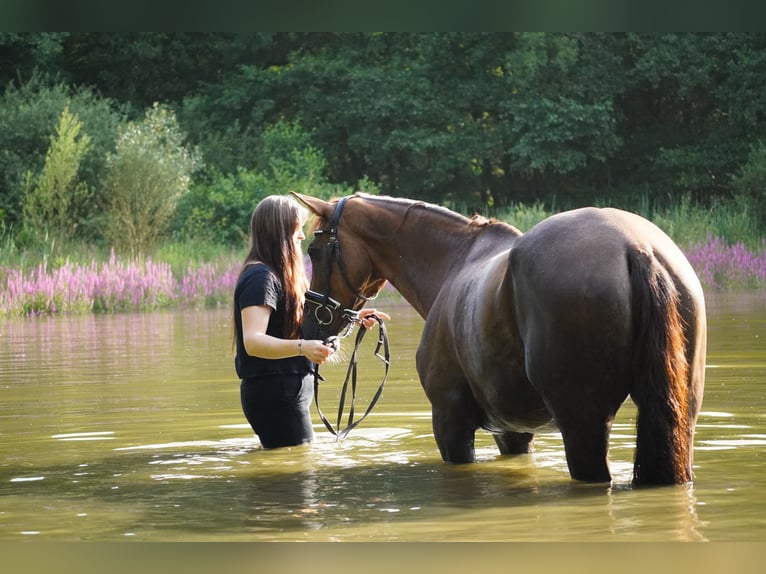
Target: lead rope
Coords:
[[351, 374]]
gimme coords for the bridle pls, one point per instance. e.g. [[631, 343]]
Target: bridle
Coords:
[[324, 312], [325, 306]]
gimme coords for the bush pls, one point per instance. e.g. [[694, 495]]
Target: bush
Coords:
[[147, 175], [28, 116], [218, 207], [218, 210], [51, 197], [750, 182]]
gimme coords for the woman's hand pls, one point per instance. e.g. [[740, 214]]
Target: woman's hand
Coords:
[[316, 351], [367, 317]]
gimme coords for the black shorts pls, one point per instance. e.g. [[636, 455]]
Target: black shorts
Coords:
[[278, 408]]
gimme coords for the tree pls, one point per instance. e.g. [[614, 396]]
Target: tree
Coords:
[[148, 173], [471, 120], [51, 198], [28, 115], [750, 182], [24, 54]]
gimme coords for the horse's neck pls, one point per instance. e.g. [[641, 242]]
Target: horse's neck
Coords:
[[428, 249], [418, 265]]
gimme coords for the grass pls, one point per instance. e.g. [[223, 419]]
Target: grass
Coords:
[[684, 220], [723, 242]]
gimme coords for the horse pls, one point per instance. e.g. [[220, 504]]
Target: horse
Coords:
[[528, 332]]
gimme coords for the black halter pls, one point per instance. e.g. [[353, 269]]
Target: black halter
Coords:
[[327, 305]]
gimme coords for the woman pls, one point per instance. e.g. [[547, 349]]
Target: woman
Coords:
[[272, 360]]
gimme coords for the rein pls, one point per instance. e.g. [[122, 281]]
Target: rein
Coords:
[[324, 313], [351, 374]]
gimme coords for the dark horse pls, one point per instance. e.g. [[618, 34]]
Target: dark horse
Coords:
[[552, 328]]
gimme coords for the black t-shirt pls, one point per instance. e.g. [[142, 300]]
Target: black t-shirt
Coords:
[[259, 286]]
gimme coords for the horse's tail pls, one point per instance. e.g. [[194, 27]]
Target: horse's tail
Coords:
[[660, 386]]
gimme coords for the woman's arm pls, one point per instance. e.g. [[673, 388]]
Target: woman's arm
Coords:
[[255, 320]]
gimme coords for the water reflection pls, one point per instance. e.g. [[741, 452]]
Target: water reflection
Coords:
[[128, 427], [332, 491]]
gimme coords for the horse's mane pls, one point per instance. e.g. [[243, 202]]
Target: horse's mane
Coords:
[[410, 205], [478, 220]]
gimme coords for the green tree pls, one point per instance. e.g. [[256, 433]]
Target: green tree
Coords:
[[472, 120], [219, 206], [147, 175], [51, 198], [690, 111], [750, 182], [25, 54], [28, 115]]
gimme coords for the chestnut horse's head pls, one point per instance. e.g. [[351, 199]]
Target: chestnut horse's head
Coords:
[[343, 278]]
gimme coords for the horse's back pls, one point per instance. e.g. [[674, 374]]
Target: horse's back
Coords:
[[588, 250]]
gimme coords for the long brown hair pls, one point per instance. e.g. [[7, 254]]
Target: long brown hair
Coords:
[[275, 220]]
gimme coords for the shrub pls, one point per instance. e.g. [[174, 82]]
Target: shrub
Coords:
[[28, 116], [147, 174], [218, 207], [218, 210], [750, 182], [523, 216], [50, 198]]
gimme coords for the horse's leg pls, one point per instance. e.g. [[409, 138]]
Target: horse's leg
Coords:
[[455, 416], [454, 433], [510, 442], [455, 413], [586, 443], [584, 418]]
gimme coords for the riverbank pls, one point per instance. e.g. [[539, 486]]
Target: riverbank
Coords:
[[116, 285], [127, 285]]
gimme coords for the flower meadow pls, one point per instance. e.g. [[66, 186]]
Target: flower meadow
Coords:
[[113, 286], [722, 266], [144, 285]]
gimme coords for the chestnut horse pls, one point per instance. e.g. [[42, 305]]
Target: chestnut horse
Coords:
[[553, 328]]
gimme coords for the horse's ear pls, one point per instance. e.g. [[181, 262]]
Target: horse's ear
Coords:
[[317, 206]]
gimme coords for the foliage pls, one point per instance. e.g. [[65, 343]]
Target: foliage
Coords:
[[479, 121], [750, 182], [287, 157], [690, 110], [523, 216], [148, 173], [25, 54], [218, 208], [689, 222], [29, 115], [50, 197], [561, 135], [189, 253]]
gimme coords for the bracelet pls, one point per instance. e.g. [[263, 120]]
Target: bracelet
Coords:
[[300, 344]]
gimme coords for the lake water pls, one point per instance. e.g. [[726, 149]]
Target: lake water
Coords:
[[128, 427]]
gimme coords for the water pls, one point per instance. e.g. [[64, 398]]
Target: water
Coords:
[[128, 427]]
